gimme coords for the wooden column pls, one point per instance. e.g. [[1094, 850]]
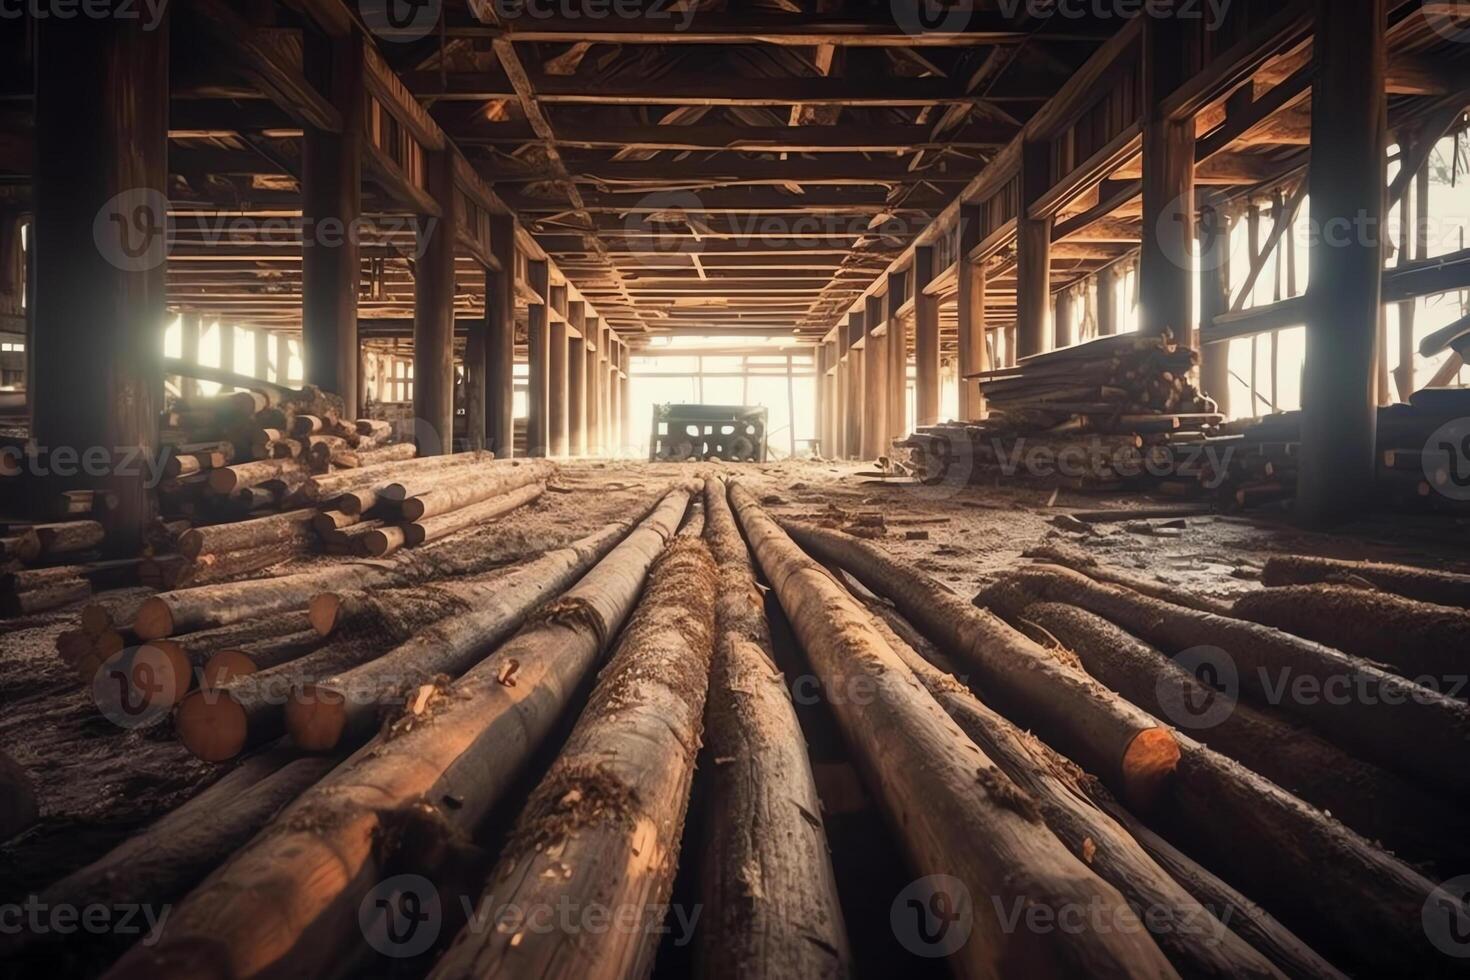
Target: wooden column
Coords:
[[875, 383], [1165, 270], [577, 380], [556, 394], [1347, 176], [500, 339], [824, 400], [1033, 255], [595, 381], [926, 341], [226, 346], [1107, 301], [604, 389], [1064, 333], [191, 328], [615, 399], [433, 313], [262, 342], [856, 396], [476, 343], [1214, 299], [101, 173], [331, 204], [970, 310], [625, 401], [897, 357], [843, 396], [538, 360]]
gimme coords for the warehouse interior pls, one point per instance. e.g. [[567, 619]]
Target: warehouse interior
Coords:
[[787, 488]]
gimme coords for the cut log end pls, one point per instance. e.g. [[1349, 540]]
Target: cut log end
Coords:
[[212, 725], [155, 620], [323, 610], [316, 717], [225, 666], [96, 619], [1148, 764]]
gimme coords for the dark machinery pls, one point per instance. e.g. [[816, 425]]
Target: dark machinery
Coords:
[[736, 433]]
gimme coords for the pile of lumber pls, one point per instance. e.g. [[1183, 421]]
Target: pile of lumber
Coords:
[[1089, 417]]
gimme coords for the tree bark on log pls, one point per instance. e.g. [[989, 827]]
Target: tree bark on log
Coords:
[[68, 537], [1127, 748], [1079, 561], [476, 617], [229, 479], [293, 529], [1426, 585], [612, 805], [1191, 935], [325, 488], [423, 498], [1424, 642], [1376, 803], [955, 812], [293, 895], [1384, 718], [432, 529], [771, 908], [230, 663]]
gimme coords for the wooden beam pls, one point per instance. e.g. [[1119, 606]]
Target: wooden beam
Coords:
[[538, 343], [577, 380], [557, 419], [712, 137], [1033, 255], [926, 341], [1165, 273], [705, 27], [433, 314], [1214, 292]]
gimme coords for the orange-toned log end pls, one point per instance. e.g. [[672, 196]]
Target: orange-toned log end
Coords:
[[175, 672], [222, 480], [1148, 764], [316, 717], [154, 621], [211, 724], [225, 666], [107, 645], [95, 619], [322, 612], [412, 509]]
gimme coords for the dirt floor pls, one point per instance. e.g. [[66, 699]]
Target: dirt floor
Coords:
[[99, 783]]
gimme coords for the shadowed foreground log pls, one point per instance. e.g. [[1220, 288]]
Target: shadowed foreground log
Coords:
[[612, 805], [770, 900], [346, 709], [18, 806], [1374, 714], [1194, 938], [953, 810], [1125, 747], [1420, 640], [294, 894], [1376, 803], [1426, 585]]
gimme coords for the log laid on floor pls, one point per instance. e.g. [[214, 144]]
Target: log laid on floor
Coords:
[[477, 617], [229, 663], [1124, 746], [1373, 714], [1426, 585], [328, 487], [770, 898], [1195, 938], [1378, 804], [388, 539], [612, 805], [292, 896], [24, 546], [1420, 640], [955, 812], [430, 497], [18, 806], [293, 528], [1078, 560], [68, 537], [52, 595], [229, 479]]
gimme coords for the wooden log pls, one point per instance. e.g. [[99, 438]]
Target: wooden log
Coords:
[[52, 595], [378, 455], [474, 618], [19, 808], [377, 428], [434, 528], [956, 814], [22, 546], [1196, 939], [68, 537], [791, 923], [229, 479], [250, 658], [1373, 714], [1405, 814], [613, 803], [460, 489], [209, 569], [328, 487], [1422, 641], [1426, 585], [1080, 561], [292, 529], [1128, 749], [292, 895]]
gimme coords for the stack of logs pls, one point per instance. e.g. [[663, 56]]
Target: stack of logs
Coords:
[[1089, 417]]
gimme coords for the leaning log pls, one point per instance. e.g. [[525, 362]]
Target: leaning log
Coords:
[[769, 895], [1420, 640], [1376, 715], [612, 805], [955, 812], [1380, 805], [291, 898], [459, 489], [1080, 561], [1124, 746], [1426, 585]]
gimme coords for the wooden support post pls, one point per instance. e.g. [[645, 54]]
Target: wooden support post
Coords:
[[1214, 299], [926, 340], [262, 354], [577, 380], [1348, 177], [557, 414], [897, 383], [191, 327], [99, 253], [1064, 332], [625, 400], [500, 344], [595, 382], [1166, 272], [970, 310], [1033, 254], [855, 393], [433, 314], [476, 346], [538, 342], [841, 394], [604, 407], [226, 346], [824, 399], [331, 202], [875, 383], [1107, 301], [615, 396]]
